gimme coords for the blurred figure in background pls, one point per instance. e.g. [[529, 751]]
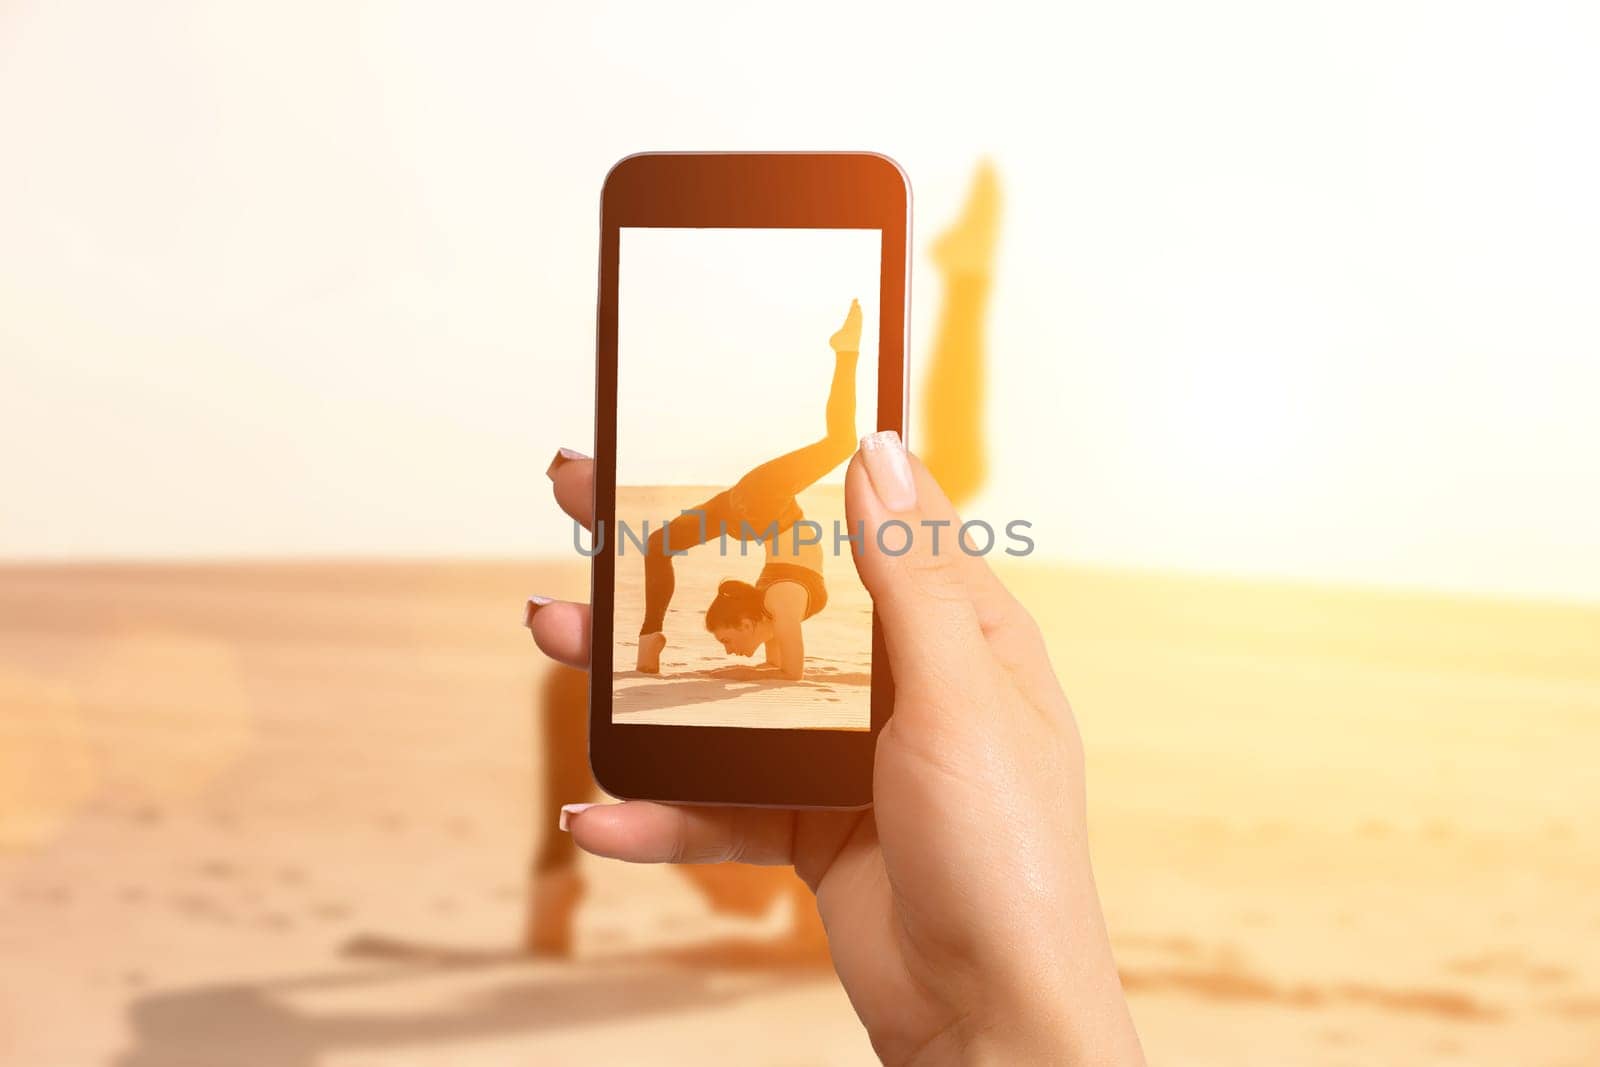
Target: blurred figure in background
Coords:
[[951, 435], [562, 701], [951, 442]]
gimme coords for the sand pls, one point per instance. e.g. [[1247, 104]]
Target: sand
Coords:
[[280, 814], [836, 690]]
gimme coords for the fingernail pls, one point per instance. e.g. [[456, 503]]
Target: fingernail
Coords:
[[563, 455], [568, 811], [534, 604], [889, 470]]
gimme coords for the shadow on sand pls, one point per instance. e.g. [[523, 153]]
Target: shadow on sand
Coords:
[[500, 995], [705, 686]]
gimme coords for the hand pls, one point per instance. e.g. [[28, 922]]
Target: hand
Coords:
[[961, 909]]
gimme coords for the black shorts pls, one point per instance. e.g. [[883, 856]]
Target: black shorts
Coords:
[[810, 580]]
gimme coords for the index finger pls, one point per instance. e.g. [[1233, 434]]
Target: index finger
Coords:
[[572, 474]]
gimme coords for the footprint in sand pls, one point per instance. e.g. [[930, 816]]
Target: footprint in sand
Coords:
[[1510, 963], [331, 911], [1578, 1007], [221, 870], [1547, 974], [195, 906]]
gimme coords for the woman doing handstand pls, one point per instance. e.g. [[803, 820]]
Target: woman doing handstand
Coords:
[[761, 506]]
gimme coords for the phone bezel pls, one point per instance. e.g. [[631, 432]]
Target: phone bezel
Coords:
[[736, 765]]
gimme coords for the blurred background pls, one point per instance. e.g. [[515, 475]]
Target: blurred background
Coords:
[[1291, 360]]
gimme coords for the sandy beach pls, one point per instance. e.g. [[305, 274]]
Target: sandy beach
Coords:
[[836, 692], [281, 813]]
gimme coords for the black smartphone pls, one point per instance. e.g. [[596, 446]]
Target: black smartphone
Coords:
[[751, 327]]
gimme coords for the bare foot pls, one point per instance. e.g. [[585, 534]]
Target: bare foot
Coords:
[[968, 246], [555, 898], [848, 337], [650, 649]]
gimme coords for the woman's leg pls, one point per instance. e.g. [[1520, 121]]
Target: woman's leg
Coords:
[[686, 531], [562, 708], [761, 494], [952, 438]]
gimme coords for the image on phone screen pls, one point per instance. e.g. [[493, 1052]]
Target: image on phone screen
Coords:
[[746, 373]]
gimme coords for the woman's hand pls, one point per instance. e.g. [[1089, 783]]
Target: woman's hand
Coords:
[[961, 909]]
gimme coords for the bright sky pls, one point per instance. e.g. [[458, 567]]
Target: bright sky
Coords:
[[722, 347], [1283, 290]]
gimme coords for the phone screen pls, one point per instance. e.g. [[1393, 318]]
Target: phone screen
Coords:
[[747, 370]]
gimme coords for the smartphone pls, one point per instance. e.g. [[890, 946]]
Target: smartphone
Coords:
[[751, 327]]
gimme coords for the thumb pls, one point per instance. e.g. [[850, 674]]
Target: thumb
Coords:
[[909, 561]]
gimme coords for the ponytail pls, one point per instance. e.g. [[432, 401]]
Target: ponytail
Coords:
[[737, 602]]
